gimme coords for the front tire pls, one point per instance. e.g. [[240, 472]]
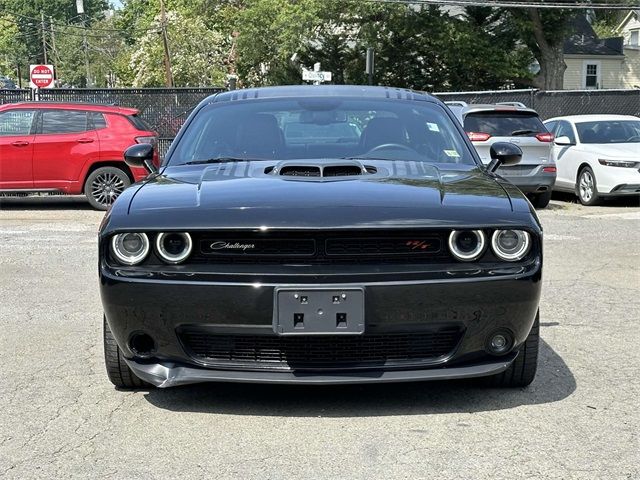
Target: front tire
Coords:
[[104, 185], [587, 188], [523, 369], [118, 371]]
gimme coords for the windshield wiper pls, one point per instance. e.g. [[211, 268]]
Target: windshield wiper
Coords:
[[515, 133], [221, 160]]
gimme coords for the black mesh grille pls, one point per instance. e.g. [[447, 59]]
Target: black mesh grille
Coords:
[[300, 171], [320, 247], [320, 351]]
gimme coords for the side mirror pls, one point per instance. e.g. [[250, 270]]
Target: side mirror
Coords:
[[563, 141], [140, 156], [504, 153]]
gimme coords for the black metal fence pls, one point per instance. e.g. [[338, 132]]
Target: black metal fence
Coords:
[[559, 102], [165, 109]]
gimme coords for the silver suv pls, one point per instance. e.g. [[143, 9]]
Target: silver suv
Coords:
[[513, 122]]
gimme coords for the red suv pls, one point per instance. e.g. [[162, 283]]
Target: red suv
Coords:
[[70, 148]]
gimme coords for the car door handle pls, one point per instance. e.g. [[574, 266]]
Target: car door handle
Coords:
[[85, 140], [20, 143]]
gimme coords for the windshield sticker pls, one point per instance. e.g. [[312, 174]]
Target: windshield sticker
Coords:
[[452, 153], [433, 127]]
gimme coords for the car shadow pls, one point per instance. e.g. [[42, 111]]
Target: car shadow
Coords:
[[62, 202], [553, 383], [628, 201]]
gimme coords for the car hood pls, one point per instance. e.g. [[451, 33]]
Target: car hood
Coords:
[[242, 195], [620, 151]]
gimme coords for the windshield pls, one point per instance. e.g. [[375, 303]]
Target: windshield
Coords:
[[305, 128], [504, 124], [619, 131]]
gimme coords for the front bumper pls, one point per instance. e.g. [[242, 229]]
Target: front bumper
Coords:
[[476, 300], [170, 375]]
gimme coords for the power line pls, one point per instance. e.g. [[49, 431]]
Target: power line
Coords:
[[514, 4], [80, 27]]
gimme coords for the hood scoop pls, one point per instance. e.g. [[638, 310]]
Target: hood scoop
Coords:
[[343, 168]]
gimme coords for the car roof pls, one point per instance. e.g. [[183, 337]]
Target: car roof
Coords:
[[592, 118], [329, 91], [92, 107], [473, 108]]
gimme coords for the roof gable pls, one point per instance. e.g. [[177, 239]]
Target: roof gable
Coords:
[[585, 41]]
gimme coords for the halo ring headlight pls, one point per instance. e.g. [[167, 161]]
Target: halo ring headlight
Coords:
[[130, 248], [174, 247], [467, 245], [511, 245]]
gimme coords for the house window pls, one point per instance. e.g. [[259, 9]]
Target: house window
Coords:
[[634, 38], [591, 75]]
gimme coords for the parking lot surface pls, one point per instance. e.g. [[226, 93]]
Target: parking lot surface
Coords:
[[60, 417]]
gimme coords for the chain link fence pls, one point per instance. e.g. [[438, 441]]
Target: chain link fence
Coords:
[[522, 96], [15, 95], [557, 103], [165, 109]]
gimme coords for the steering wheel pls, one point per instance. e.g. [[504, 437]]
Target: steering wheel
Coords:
[[633, 137], [391, 146]]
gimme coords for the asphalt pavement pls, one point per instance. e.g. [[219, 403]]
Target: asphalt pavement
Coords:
[[61, 418]]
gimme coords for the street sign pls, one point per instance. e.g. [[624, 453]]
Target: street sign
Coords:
[[311, 76], [41, 76]]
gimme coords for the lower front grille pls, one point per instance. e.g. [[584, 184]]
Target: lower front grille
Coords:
[[319, 352]]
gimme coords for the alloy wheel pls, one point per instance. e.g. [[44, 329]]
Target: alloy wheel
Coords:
[[106, 187], [586, 186]]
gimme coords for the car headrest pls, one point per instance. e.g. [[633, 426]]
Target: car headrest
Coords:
[[382, 130]]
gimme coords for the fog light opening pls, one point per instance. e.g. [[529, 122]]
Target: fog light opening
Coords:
[[499, 343], [142, 344]]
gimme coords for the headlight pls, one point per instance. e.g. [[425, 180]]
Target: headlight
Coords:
[[174, 247], [511, 245], [130, 248], [617, 163], [467, 245]]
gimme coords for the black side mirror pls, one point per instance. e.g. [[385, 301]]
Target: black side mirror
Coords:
[[504, 153], [140, 156]]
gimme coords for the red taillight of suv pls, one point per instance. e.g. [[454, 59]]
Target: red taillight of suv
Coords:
[[478, 136], [153, 141], [545, 137]]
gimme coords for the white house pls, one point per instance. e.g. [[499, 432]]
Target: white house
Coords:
[[595, 63], [629, 30]]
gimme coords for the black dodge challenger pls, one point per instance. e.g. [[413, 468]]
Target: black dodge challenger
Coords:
[[321, 235]]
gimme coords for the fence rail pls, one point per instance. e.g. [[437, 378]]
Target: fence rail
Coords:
[[555, 103], [165, 109]]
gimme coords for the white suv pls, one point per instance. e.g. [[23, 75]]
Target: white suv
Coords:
[[513, 122]]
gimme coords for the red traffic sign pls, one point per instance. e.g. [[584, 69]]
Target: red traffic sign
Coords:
[[41, 76]]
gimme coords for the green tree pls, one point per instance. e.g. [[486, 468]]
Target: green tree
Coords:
[[12, 49], [198, 54]]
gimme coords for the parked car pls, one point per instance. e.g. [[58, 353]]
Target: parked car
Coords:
[[513, 122], [383, 255], [7, 84], [70, 148], [597, 156]]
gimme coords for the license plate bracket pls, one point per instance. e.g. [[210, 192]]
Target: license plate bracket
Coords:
[[319, 311]]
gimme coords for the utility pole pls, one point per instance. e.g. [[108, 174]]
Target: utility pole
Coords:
[[165, 43], [53, 48], [85, 44], [44, 41], [370, 64]]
